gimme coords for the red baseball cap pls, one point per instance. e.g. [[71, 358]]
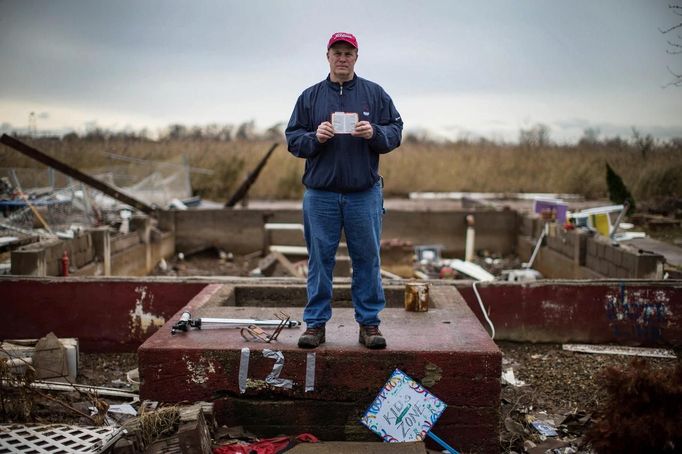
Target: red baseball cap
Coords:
[[342, 36]]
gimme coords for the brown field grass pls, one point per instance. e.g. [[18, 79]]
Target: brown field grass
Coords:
[[480, 167]]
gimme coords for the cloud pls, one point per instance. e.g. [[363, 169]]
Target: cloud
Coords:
[[482, 68]]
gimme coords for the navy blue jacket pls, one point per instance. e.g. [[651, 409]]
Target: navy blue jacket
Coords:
[[344, 163]]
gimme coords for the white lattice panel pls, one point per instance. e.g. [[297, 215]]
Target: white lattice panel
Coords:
[[56, 438]]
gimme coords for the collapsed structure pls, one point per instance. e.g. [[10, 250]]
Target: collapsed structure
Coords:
[[620, 297]]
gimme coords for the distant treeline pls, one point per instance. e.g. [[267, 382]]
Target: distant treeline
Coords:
[[223, 156], [538, 135]]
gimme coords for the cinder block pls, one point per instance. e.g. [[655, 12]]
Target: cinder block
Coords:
[[628, 260], [28, 262], [617, 256], [101, 238], [580, 248], [613, 270], [650, 266], [592, 262], [166, 220], [622, 273], [526, 226], [89, 255], [80, 259], [55, 250], [554, 243], [591, 247], [77, 243], [603, 266], [122, 242], [54, 268]]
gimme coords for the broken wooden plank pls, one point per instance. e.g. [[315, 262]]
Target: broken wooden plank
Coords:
[[286, 264], [289, 250], [389, 275], [58, 386], [620, 350], [75, 173], [243, 188]]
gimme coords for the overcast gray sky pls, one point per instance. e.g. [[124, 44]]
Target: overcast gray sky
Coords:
[[456, 68]]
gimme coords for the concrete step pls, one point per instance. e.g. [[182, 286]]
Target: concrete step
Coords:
[[325, 391]]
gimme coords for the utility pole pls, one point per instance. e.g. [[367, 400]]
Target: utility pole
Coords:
[[32, 125]]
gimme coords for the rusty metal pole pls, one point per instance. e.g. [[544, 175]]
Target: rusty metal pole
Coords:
[[75, 173]]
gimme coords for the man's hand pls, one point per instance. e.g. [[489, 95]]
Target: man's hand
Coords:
[[324, 132], [363, 129]]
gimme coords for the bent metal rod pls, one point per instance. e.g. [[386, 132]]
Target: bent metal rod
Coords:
[[186, 322]]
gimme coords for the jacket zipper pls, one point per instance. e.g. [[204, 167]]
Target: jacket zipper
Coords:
[[341, 96]]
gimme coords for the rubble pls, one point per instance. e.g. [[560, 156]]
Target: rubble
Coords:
[[562, 388]]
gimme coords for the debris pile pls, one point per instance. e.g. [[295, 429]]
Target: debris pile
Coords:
[[642, 411], [555, 399]]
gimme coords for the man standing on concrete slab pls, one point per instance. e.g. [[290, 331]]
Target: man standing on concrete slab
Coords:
[[340, 126]]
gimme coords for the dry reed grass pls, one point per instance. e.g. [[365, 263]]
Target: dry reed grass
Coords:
[[485, 167], [156, 424]]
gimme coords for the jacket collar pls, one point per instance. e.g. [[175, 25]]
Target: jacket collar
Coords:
[[346, 85]]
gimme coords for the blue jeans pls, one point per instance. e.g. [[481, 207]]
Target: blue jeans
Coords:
[[359, 214]]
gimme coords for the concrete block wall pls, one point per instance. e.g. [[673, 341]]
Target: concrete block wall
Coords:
[[95, 252], [45, 257], [530, 225], [553, 264], [571, 243], [125, 241], [79, 249], [241, 231], [580, 254], [622, 261]]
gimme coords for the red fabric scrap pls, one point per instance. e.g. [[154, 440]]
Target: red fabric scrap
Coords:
[[266, 446]]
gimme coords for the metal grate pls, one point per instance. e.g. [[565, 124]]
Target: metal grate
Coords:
[[56, 438]]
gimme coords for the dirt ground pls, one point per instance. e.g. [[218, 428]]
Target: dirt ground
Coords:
[[562, 389], [210, 262]]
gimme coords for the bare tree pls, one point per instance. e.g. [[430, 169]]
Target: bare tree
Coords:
[[674, 44], [535, 137]]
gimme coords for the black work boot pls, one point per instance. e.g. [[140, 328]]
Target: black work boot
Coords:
[[312, 337], [371, 337]]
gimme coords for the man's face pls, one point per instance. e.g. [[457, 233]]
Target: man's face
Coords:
[[342, 57]]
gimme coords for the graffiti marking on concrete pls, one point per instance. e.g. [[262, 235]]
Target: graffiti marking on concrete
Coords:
[[557, 311], [642, 312]]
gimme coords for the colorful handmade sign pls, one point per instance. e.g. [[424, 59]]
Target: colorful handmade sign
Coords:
[[403, 410]]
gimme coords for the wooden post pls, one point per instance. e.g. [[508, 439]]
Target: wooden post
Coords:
[[101, 240]]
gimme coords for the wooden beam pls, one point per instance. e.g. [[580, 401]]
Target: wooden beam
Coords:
[[75, 173]]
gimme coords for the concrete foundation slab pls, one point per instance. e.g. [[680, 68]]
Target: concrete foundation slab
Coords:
[[325, 391]]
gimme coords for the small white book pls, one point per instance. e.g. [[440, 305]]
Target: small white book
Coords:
[[344, 123]]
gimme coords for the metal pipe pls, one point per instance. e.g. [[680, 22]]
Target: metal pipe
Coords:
[[470, 238], [248, 321], [528, 265], [621, 215]]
